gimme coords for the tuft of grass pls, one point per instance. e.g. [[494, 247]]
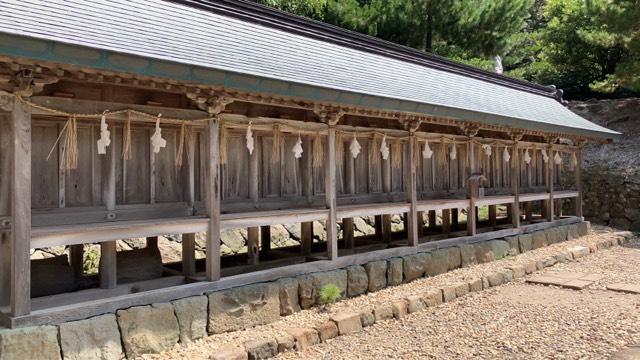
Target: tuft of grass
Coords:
[[91, 261], [328, 294]]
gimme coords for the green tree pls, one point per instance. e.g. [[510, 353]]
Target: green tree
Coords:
[[589, 46], [310, 8]]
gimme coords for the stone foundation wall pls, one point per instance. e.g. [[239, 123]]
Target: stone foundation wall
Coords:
[[612, 198], [158, 327]]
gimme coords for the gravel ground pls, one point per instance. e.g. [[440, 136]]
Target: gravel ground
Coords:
[[513, 321]]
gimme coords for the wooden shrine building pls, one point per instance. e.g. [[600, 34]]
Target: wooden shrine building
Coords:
[[124, 119]]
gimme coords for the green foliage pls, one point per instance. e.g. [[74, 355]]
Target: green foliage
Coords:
[[328, 294], [91, 261], [310, 8]]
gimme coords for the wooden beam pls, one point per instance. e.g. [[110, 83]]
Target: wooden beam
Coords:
[[455, 213], [446, 221], [20, 129], [347, 223], [432, 219], [253, 233], [189, 254], [152, 242], [578, 170], [108, 265], [213, 203], [473, 168], [386, 188], [549, 179], [306, 234], [412, 189], [515, 185], [253, 247], [108, 272], [493, 215], [76, 253], [330, 193]]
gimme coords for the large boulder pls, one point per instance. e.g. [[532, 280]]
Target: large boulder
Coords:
[[148, 329], [583, 228], [92, 339], [525, 242], [500, 248], [30, 343], [484, 252], [572, 232], [514, 245], [376, 275], [357, 281], [394, 271], [438, 263], [414, 266], [539, 239], [455, 259], [289, 298], [555, 235], [468, 255], [306, 296], [335, 277], [192, 317], [243, 307]]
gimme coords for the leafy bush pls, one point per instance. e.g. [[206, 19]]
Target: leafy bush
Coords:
[[329, 294], [91, 261]]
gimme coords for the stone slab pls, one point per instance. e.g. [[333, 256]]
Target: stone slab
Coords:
[[243, 307], [148, 329], [347, 322], [231, 352], [448, 293], [383, 312], [96, 338], [327, 330], [630, 353], [304, 337], [394, 271], [627, 288], [357, 281], [415, 265], [547, 280], [289, 297], [467, 255], [400, 310], [261, 349], [30, 343], [376, 275], [192, 317], [576, 284], [367, 318]]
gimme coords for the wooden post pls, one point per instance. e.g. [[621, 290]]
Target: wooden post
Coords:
[[152, 242], [446, 221], [493, 215], [412, 190], [515, 183], [432, 219], [330, 192], [20, 235], [108, 271], [347, 223], [455, 213], [579, 182], [76, 253], [189, 254], [265, 241], [550, 175], [386, 188], [420, 220], [306, 228], [253, 233], [213, 203], [471, 213]]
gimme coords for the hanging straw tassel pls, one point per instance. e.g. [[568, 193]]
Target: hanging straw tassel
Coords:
[[126, 141], [318, 151], [442, 153], [396, 155], [276, 145], [223, 145], [71, 145], [180, 153]]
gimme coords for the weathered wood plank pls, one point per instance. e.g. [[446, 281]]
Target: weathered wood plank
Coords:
[[347, 222], [515, 185], [21, 209], [330, 194], [412, 189], [213, 203]]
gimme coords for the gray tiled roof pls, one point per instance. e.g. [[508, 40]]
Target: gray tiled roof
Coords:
[[167, 31]]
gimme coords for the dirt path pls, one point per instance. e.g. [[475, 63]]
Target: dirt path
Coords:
[[513, 321]]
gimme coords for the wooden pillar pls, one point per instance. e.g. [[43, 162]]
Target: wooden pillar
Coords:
[[152, 242], [189, 254], [253, 233], [189, 240], [19, 118], [265, 241], [108, 271], [386, 188], [550, 175], [108, 253], [76, 253], [493, 215], [306, 228], [420, 220], [347, 223], [579, 182], [455, 213], [528, 212], [446, 221], [432, 219], [330, 192], [515, 183], [471, 213], [213, 203], [412, 190]]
